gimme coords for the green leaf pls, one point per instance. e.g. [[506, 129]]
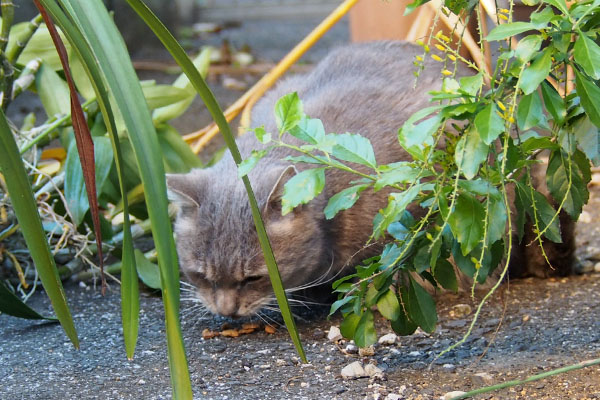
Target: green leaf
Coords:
[[169, 112], [528, 47], [25, 208], [249, 163], [489, 124], [102, 36], [309, 130], [471, 84], [53, 92], [349, 325], [421, 134], [471, 151], [529, 112], [412, 6], [560, 4], [354, 148], [444, 274], [554, 103], [496, 220], [420, 306], [75, 192], [541, 19], [557, 179], [507, 30], [343, 200], [466, 222], [388, 305], [589, 93], [535, 74], [288, 112], [177, 154], [365, 334], [400, 172], [163, 95], [588, 138], [544, 211], [340, 303], [263, 136], [402, 325], [148, 272], [587, 54], [11, 304], [302, 188], [397, 203], [39, 46]]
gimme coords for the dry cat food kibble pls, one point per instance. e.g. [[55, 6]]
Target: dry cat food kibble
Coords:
[[229, 331]]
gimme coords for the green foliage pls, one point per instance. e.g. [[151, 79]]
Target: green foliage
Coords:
[[493, 135]]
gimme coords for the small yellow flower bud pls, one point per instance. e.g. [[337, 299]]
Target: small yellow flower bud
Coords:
[[446, 72], [450, 56], [436, 57], [440, 47], [444, 38], [420, 43], [438, 34], [502, 16], [426, 48], [504, 10], [428, 236], [419, 58], [501, 106]]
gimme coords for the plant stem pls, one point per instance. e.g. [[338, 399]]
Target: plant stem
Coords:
[[8, 13], [14, 52], [532, 378], [56, 124]]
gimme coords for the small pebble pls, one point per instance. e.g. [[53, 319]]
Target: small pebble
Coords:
[[460, 310], [366, 351], [449, 367], [373, 371], [452, 395], [353, 371], [351, 349], [388, 339], [597, 267], [334, 334], [318, 334]]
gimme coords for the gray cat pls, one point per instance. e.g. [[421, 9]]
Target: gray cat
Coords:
[[361, 88]]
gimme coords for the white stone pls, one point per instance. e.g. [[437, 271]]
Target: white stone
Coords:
[[452, 395], [353, 371], [393, 396], [388, 339], [597, 267], [334, 334], [373, 371]]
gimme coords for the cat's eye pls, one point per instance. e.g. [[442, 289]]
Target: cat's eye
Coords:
[[252, 279]]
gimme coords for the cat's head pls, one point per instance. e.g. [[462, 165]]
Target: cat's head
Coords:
[[218, 246]]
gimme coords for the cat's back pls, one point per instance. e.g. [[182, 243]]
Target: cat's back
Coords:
[[366, 88]]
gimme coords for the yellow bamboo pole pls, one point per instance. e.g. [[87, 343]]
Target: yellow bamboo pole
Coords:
[[255, 92]]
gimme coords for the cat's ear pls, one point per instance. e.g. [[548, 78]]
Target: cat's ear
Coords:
[[180, 191], [273, 205]]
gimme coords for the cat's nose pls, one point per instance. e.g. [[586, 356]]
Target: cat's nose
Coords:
[[226, 303]]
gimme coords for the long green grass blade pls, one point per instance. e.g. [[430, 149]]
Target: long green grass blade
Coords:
[[96, 24], [25, 208], [211, 103], [129, 281], [11, 304]]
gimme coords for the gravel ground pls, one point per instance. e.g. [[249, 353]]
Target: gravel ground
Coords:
[[529, 327]]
